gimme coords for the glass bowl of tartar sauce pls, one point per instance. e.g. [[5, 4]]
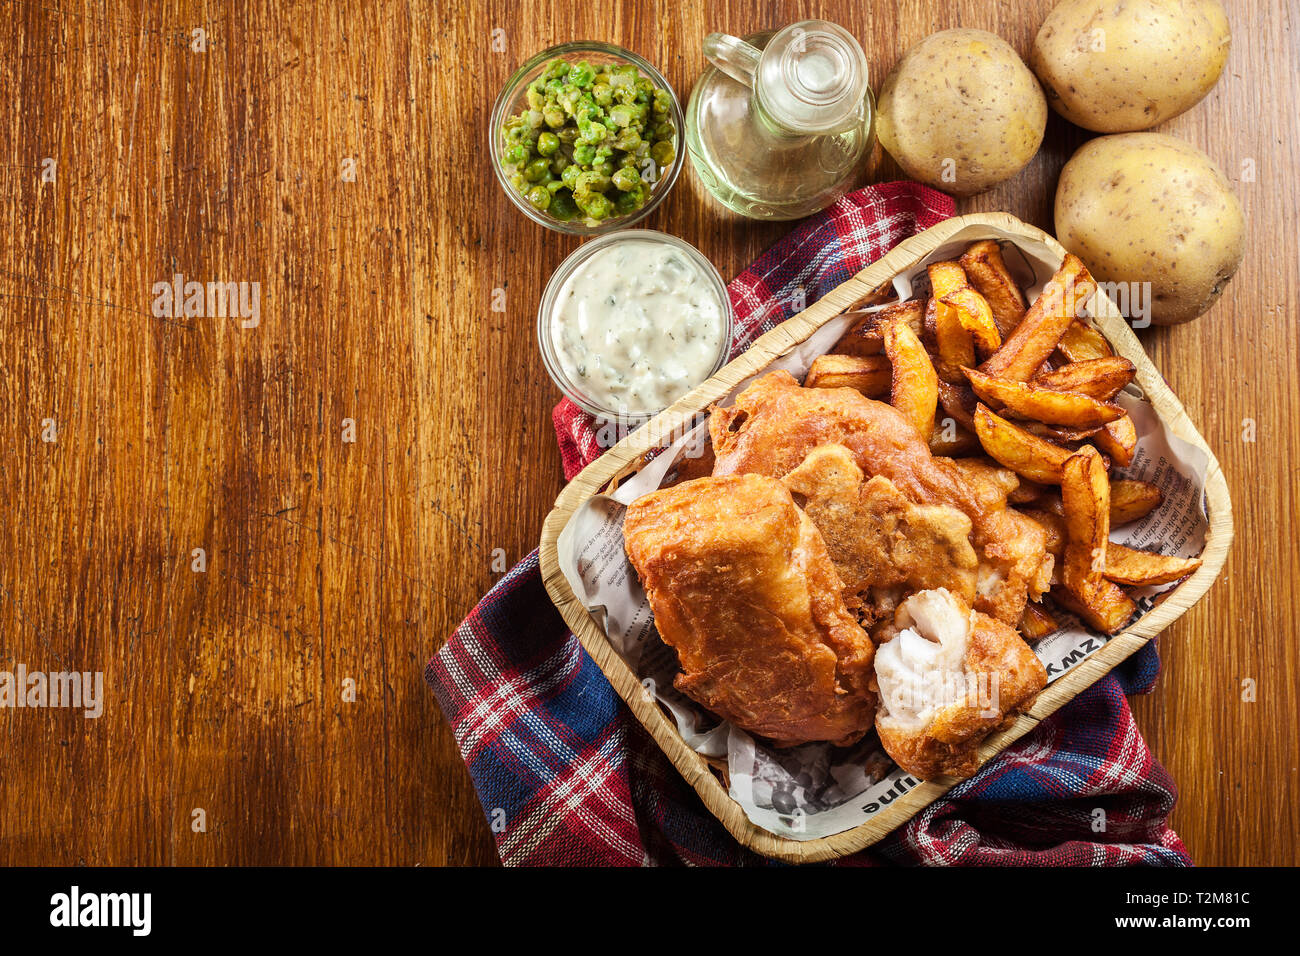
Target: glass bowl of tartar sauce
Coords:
[[631, 322]]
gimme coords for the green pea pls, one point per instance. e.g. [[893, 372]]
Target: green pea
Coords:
[[539, 198], [559, 163], [663, 103], [625, 179], [535, 98], [596, 207], [568, 134], [592, 181], [563, 207], [556, 68], [536, 169], [553, 116], [582, 75], [606, 168], [516, 154], [602, 94], [583, 153], [547, 144], [663, 153], [592, 132], [627, 202], [569, 175], [627, 140]]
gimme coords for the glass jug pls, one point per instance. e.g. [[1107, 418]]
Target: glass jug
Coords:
[[779, 125]]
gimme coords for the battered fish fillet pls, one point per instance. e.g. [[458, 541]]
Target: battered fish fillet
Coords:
[[741, 585], [775, 423], [950, 678], [876, 537]]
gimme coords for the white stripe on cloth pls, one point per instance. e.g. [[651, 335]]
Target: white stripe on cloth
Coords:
[[511, 697], [568, 799]]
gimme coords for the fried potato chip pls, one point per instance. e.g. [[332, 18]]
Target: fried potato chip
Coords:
[[989, 275], [1099, 378], [1035, 338], [976, 318], [953, 443], [1081, 342], [1059, 433], [1131, 500], [1085, 493], [958, 401], [1025, 454], [869, 374], [1037, 402], [1138, 568], [1107, 607], [864, 337], [1118, 439], [1037, 623], [914, 388]]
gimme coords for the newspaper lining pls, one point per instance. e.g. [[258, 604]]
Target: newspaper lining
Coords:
[[816, 790]]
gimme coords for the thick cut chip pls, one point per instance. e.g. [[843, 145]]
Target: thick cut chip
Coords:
[[1140, 568], [915, 386], [1100, 378], [976, 318], [864, 336], [869, 374], [988, 273], [1025, 454], [1118, 439], [1042, 404], [1085, 493], [1034, 339], [952, 341], [1037, 623], [1131, 500], [1107, 608], [1081, 342]]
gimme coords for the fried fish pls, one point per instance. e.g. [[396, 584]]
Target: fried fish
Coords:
[[741, 585]]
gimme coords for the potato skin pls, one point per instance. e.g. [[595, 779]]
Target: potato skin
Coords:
[[1146, 207], [1158, 58], [963, 95]]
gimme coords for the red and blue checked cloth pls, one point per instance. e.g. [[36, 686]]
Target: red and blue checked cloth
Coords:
[[568, 777]]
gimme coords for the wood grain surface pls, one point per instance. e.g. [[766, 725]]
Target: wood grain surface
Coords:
[[334, 154]]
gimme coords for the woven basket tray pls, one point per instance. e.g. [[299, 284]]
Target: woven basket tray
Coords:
[[628, 456]]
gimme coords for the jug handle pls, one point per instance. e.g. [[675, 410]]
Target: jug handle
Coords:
[[732, 56]]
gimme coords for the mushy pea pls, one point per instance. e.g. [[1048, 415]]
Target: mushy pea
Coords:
[[592, 141]]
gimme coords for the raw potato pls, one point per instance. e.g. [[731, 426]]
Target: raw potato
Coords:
[[1119, 67], [1145, 207], [961, 112]]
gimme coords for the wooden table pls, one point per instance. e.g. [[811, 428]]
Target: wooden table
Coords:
[[334, 153]]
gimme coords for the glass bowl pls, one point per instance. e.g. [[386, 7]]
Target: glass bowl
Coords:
[[512, 100], [550, 353]]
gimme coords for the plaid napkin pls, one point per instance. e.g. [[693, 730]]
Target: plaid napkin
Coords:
[[568, 777]]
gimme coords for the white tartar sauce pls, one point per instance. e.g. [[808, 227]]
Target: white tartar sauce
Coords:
[[637, 325]]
